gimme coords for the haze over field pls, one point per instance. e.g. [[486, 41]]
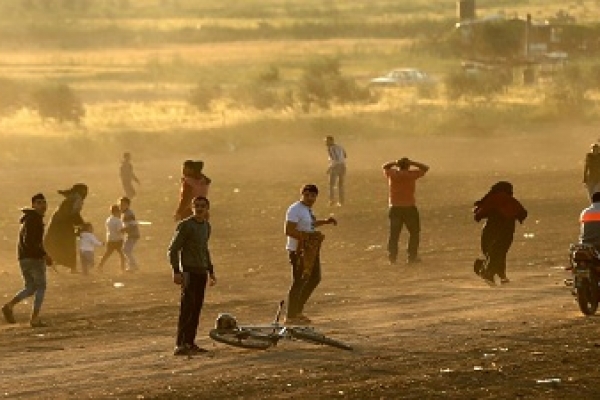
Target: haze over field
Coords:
[[252, 88]]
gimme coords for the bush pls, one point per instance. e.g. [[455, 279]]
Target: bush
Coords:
[[322, 83], [202, 95], [58, 102], [567, 92], [269, 75], [477, 85], [12, 96]]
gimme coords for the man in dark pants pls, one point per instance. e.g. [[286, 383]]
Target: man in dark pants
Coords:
[[192, 269], [403, 209], [33, 260], [300, 220]]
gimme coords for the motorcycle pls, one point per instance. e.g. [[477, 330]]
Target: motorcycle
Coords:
[[585, 269]]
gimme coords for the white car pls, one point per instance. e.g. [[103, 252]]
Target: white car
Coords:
[[403, 77]]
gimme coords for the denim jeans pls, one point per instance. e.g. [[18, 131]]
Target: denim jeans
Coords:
[[34, 276], [128, 251], [400, 216], [337, 175]]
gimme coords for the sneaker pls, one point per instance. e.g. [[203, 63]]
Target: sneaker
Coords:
[[38, 324], [182, 351], [504, 281], [392, 259], [478, 266], [8, 314], [489, 281]]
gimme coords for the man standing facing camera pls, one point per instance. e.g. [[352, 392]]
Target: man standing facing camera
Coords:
[[299, 223], [403, 210], [192, 270], [33, 260]]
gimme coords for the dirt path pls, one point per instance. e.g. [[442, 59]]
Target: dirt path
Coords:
[[432, 330]]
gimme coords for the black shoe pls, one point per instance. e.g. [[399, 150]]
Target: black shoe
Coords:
[[413, 260], [8, 314], [478, 266], [195, 349], [182, 351]]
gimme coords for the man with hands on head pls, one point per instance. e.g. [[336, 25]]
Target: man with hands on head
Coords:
[[403, 210], [192, 270]]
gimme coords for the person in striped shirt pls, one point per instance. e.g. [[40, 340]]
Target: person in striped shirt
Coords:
[[336, 171]]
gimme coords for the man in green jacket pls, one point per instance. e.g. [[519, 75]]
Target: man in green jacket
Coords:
[[192, 270]]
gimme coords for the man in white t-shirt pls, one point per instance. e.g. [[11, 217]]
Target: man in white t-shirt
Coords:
[[299, 219]]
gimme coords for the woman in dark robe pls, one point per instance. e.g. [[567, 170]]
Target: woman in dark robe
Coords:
[[501, 211], [61, 235]]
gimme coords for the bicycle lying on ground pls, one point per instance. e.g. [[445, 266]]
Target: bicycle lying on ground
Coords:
[[261, 337]]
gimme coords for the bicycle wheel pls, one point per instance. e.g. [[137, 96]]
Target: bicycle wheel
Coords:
[[241, 338], [311, 336]]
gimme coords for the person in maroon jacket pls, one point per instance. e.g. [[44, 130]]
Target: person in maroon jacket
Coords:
[[501, 211], [193, 184]]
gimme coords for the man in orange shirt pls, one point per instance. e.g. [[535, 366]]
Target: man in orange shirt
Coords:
[[403, 210]]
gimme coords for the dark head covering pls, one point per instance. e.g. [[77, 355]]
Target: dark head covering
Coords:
[[500, 201], [502, 186], [79, 188]]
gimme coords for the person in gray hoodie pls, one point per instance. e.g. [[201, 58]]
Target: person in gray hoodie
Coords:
[[33, 260], [192, 269]]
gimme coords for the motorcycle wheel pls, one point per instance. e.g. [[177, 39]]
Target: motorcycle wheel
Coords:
[[587, 297]]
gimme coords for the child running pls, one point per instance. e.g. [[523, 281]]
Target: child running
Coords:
[[114, 237], [87, 242], [132, 232]]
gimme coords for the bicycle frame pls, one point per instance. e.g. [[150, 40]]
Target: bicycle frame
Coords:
[[261, 337]]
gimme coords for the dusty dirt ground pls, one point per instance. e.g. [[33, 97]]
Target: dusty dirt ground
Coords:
[[432, 330]]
